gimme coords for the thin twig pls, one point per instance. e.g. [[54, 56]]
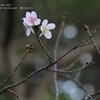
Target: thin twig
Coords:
[[14, 93], [89, 94], [78, 83], [23, 80], [29, 48], [93, 96], [72, 71], [91, 39], [55, 55], [80, 44], [84, 44], [44, 49], [37, 71], [41, 69]]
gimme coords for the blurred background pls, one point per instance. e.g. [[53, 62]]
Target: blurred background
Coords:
[[13, 42]]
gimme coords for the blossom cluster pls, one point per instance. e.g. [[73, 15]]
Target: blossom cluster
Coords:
[[31, 20]]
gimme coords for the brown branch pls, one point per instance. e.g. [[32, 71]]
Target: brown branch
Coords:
[[72, 71], [80, 44], [44, 68], [91, 39], [84, 44], [29, 49], [14, 93], [44, 49], [23, 80], [41, 69]]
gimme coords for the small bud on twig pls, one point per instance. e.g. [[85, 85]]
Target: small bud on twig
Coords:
[[89, 63], [29, 47]]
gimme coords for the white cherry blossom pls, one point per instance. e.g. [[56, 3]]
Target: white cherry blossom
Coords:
[[45, 28]]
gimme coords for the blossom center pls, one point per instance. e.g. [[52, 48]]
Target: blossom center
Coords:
[[31, 19], [45, 28]]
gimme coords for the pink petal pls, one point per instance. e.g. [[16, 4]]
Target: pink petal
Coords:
[[34, 15], [28, 14], [37, 21], [48, 34], [27, 31], [45, 22], [28, 22], [24, 24], [51, 26]]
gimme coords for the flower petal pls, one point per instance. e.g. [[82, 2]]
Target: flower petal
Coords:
[[27, 31], [26, 26], [45, 22], [34, 15], [37, 21], [51, 26], [28, 14], [24, 23], [48, 34], [28, 22], [31, 30], [42, 29]]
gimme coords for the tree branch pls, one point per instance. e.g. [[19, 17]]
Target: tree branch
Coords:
[[72, 71], [29, 49], [91, 39], [14, 93], [55, 54], [44, 49]]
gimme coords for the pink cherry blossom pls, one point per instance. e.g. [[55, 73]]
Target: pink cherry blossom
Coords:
[[46, 27], [31, 19]]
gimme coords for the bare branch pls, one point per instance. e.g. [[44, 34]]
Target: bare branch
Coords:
[[55, 55], [92, 40], [23, 80], [44, 49], [84, 44], [80, 44], [29, 49], [72, 71], [78, 83], [93, 96], [14, 93], [45, 67]]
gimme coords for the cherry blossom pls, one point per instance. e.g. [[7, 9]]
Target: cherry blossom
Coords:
[[29, 21], [46, 27]]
